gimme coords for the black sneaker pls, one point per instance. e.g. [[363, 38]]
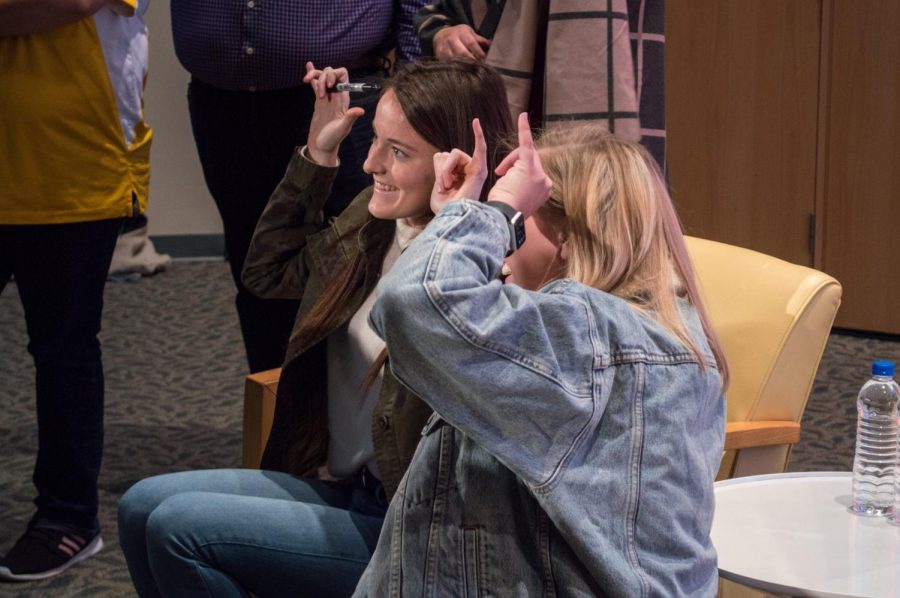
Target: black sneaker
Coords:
[[44, 552]]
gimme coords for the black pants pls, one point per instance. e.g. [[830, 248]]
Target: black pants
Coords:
[[60, 272], [245, 140]]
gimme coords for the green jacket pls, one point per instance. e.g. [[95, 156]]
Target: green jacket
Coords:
[[293, 255]]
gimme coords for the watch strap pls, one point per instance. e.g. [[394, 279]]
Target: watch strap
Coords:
[[514, 220]]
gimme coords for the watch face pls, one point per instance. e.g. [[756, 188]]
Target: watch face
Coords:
[[519, 229], [516, 232], [515, 221]]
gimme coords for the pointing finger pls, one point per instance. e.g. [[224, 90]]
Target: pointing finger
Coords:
[[525, 139], [479, 156]]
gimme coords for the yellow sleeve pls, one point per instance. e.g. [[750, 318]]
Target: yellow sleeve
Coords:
[[124, 7]]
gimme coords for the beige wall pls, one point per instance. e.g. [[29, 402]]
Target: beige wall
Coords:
[[180, 204]]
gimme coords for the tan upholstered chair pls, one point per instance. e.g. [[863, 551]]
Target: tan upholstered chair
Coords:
[[773, 320]]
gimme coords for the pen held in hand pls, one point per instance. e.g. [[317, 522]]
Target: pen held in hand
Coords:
[[354, 87]]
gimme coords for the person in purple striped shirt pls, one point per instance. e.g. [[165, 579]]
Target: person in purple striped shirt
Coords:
[[250, 110]]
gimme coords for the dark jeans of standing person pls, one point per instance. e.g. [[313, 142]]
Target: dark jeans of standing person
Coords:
[[245, 140], [60, 271]]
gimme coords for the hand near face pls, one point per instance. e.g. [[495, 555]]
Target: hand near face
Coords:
[[460, 41], [332, 117], [458, 175], [523, 183]]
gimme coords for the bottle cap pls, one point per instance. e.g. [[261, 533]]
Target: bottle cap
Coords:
[[882, 368]]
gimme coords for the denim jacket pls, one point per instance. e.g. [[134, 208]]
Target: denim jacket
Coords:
[[574, 443]]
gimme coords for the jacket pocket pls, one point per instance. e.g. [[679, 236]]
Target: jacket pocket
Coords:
[[473, 561]]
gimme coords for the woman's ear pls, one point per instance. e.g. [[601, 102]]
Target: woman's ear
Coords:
[[565, 245]]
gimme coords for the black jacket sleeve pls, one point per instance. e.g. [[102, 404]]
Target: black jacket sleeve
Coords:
[[433, 17]]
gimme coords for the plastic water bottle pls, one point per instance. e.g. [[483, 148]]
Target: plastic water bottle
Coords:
[[876, 443], [895, 515]]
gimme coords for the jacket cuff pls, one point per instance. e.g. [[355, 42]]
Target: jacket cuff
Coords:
[[303, 174]]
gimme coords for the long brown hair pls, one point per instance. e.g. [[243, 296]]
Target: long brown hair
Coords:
[[439, 100], [624, 234]]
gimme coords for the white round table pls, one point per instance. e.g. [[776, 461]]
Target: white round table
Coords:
[[791, 534]]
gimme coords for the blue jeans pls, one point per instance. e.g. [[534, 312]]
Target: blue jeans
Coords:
[[60, 272], [245, 140], [229, 532]]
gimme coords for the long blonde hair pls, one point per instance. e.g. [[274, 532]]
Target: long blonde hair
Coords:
[[624, 236]]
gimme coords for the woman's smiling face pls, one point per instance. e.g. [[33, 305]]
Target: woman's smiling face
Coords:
[[401, 162]]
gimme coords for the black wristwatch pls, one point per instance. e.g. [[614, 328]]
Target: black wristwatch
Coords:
[[515, 221]]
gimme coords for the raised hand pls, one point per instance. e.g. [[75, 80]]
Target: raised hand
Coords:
[[523, 183], [459, 41], [458, 175], [332, 117]]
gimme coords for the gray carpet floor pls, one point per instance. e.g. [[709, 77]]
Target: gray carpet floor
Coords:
[[174, 368]]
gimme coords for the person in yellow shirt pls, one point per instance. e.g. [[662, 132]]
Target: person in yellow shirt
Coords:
[[75, 164]]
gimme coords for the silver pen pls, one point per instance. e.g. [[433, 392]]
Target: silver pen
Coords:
[[354, 87]]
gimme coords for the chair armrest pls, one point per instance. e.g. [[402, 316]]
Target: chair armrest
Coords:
[[741, 435], [259, 408]]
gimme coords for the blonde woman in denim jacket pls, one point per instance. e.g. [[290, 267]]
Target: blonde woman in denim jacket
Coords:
[[579, 414]]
